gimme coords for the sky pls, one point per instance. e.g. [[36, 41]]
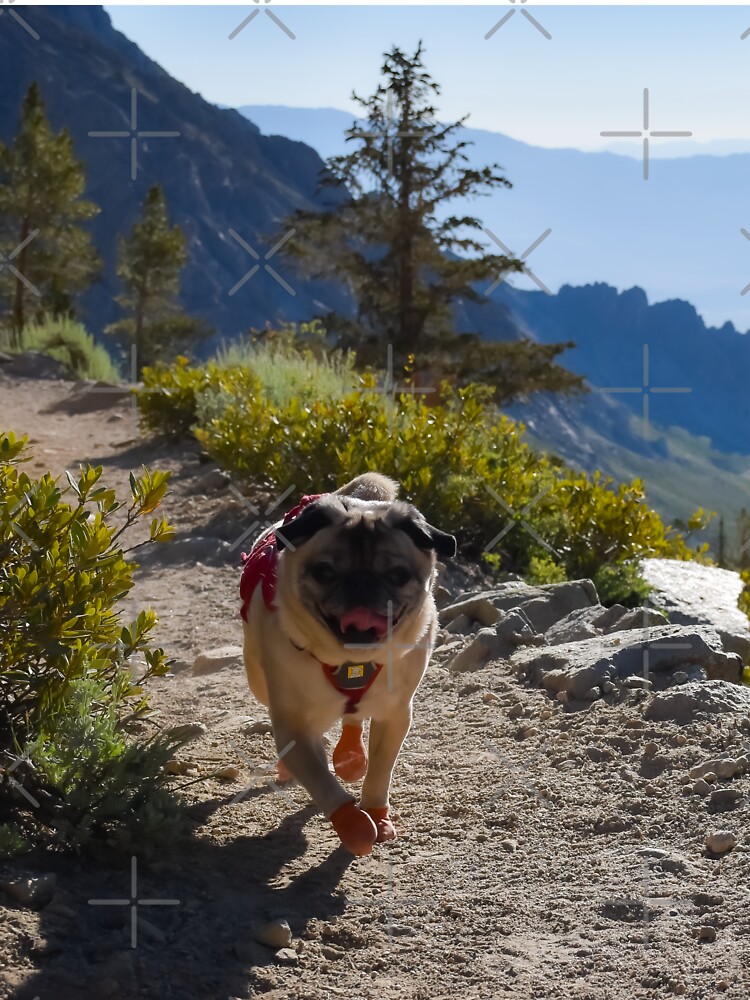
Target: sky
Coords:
[[562, 91]]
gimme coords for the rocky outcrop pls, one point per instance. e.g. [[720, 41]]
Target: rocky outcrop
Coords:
[[560, 637], [693, 594]]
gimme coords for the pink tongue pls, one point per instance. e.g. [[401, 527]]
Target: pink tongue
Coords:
[[364, 619]]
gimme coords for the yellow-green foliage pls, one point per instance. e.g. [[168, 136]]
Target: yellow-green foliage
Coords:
[[71, 670], [69, 342], [450, 459]]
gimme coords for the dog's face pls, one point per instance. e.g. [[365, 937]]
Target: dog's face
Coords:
[[353, 574]]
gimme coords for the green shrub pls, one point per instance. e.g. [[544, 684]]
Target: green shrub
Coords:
[[68, 341], [72, 672], [453, 460]]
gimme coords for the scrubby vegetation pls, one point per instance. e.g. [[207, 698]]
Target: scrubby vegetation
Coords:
[[461, 461], [72, 668], [69, 342]]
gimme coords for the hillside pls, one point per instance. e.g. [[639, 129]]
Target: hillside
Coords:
[[220, 173], [549, 846]]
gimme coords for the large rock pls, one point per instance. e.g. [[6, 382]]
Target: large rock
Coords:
[[580, 667], [88, 396], [542, 606], [498, 643], [586, 623], [34, 364], [699, 699], [692, 594]]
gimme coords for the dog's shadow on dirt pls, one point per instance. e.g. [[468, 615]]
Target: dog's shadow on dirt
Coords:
[[202, 947]]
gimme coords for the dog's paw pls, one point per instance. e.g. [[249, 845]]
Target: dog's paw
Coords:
[[383, 823], [350, 756], [355, 828]]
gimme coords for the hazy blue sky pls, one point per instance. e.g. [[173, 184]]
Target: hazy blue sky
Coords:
[[563, 91]]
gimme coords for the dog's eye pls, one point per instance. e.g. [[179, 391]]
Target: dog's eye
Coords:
[[398, 576], [322, 572]]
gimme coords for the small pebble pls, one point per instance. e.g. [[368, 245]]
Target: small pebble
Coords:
[[561, 696], [175, 766], [724, 798], [592, 694], [286, 956], [710, 777], [545, 714], [228, 773], [489, 697], [276, 934], [721, 841], [705, 933], [701, 787], [680, 740], [511, 846], [256, 729], [516, 711], [650, 748]]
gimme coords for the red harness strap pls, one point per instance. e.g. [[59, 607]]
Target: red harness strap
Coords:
[[260, 568], [260, 562]]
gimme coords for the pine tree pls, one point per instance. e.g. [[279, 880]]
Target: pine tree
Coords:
[[41, 212], [406, 261], [150, 261]]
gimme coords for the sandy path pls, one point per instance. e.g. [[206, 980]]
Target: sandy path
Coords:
[[528, 864]]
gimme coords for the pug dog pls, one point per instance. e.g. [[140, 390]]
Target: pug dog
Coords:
[[339, 622]]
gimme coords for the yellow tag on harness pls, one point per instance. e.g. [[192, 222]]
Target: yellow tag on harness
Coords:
[[355, 670]]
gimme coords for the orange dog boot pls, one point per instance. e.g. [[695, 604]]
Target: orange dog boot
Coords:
[[283, 771], [350, 756], [356, 830], [386, 829]]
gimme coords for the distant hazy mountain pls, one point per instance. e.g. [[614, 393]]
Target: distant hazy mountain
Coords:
[[677, 234]]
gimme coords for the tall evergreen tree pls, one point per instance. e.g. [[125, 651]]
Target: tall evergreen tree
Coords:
[[41, 212], [406, 261], [150, 261]]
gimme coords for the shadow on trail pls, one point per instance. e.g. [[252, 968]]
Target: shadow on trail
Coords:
[[201, 949]]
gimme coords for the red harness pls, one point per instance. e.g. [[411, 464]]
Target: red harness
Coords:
[[260, 566]]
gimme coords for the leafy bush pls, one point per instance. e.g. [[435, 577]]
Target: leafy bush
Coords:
[[461, 462], [68, 341], [71, 671]]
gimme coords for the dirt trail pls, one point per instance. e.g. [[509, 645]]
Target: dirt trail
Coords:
[[543, 852]]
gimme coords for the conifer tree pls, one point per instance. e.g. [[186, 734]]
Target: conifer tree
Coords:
[[407, 262], [49, 257], [150, 261]]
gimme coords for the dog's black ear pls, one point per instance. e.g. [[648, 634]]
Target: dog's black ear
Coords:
[[425, 536], [311, 520]]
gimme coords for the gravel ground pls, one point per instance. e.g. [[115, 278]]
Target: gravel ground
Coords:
[[544, 851]]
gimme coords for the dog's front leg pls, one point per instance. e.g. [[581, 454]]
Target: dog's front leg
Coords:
[[306, 760], [386, 739]]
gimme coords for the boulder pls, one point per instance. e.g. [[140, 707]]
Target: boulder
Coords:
[[34, 364], [88, 397], [699, 699], [693, 594], [542, 606], [498, 643], [216, 659], [577, 667], [586, 623]]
